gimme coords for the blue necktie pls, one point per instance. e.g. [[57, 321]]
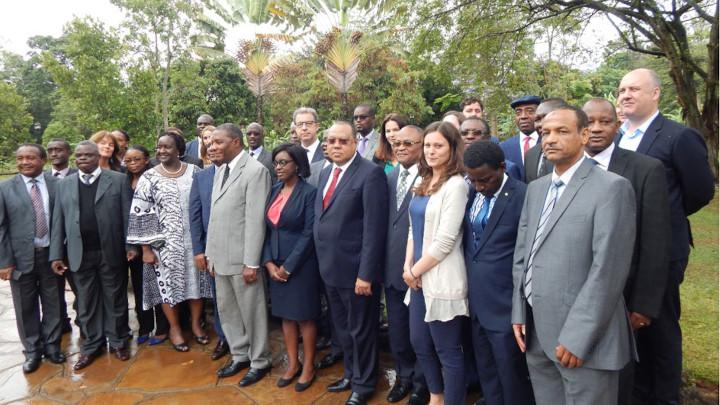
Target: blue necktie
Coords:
[[481, 219]]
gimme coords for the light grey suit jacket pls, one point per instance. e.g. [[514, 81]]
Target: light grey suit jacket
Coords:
[[17, 224], [112, 206], [580, 267], [236, 232], [372, 144]]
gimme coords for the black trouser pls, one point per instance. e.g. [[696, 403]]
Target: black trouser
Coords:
[[31, 290], [406, 366], [149, 319], [102, 302], [64, 317]]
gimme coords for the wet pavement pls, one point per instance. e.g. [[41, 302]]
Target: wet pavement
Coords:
[[154, 374]]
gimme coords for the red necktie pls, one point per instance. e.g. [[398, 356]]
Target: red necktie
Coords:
[[331, 189], [526, 145]]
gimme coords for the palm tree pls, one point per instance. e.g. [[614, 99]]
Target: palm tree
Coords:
[[342, 53], [259, 70]]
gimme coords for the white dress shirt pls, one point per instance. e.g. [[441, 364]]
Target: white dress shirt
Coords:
[[566, 177], [343, 169], [45, 240], [311, 149], [60, 174], [603, 158], [95, 174], [480, 198], [631, 141], [255, 153], [533, 141], [233, 162]]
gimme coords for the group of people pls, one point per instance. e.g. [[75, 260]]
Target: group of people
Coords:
[[545, 268]]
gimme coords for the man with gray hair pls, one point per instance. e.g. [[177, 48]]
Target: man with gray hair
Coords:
[[306, 128]]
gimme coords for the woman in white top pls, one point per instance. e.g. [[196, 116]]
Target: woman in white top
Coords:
[[434, 264]]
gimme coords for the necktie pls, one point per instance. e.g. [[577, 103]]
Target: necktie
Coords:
[[56, 174], [87, 177], [331, 189], [41, 227], [226, 174], [481, 218], [361, 145], [252, 154], [526, 146], [547, 210], [402, 188]]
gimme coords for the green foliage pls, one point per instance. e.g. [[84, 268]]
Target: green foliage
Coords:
[[14, 119]]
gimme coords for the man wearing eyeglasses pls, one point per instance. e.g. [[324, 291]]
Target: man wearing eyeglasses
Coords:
[[306, 128], [367, 137], [477, 129]]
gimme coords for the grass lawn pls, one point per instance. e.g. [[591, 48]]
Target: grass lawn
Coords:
[[699, 294]]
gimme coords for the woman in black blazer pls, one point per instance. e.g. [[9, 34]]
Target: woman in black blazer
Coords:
[[289, 256]]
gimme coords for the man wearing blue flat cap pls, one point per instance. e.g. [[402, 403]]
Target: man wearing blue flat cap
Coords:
[[516, 147]]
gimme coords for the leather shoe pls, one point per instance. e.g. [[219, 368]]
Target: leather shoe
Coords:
[[55, 358], [328, 361], [340, 385], [121, 353], [31, 364], [420, 396], [357, 398], [221, 349], [232, 368], [284, 382], [322, 343], [85, 360], [254, 375], [399, 391]]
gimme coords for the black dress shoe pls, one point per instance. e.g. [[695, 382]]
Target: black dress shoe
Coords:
[[232, 368], [221, 349], [357, 398], [329, 360], [31, 364], [121, 353], [340, 385], [85, 360], [55, 358], [300, 387], [284, 382], [420, 396], [399, 391], [322, 343], [254, 375]]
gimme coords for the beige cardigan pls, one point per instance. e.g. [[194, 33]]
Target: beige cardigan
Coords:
[[445, 285]]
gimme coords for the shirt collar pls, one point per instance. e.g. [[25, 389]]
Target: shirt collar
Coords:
[[603, 158], [233, 162], [312, 146], [344, 167], [40, 178], [257, 150], [567, 176], [412, 170], [63, 172], [368, 136], [95, 173], [640, 130], [534, 136]]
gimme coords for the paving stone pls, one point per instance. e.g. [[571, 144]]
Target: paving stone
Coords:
[[16, 385], [207, 396], [157, 370], [113, 398]]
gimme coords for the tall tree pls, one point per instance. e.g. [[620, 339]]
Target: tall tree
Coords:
[[14, 120], [258, 66]]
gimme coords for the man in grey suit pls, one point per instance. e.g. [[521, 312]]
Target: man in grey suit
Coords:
[[367, 138], [256, 148], [571, 261], [235, 239], [90, 213], [25, 217]]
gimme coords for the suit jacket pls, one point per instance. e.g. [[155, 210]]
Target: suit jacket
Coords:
[[397, 231], [236, 230], [199, 207], [511, 147], [532, 160], [112, 206], [315, 170], [290, 243], [318, 156], [513, 170], [690, 182], [265, 158], [17, 223], [373, 139], [191, 148], [350, 233], [489, 266], [71, 170], [580, 267]]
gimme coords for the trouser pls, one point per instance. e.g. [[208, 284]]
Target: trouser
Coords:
[[356, 322], [64, 317], [243, 312], [38, 333], [325, 324], [216, 314], [406, 365], [102, 302], [658, 373], [148, 319], [438, 346]]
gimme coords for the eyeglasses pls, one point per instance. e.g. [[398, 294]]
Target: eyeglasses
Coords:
[[304, 124], [406, 143], [340, 141], [133, 160], [282, 163], [360, 117], [473, 132]]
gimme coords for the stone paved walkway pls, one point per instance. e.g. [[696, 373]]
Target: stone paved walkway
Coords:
[[153, 375]]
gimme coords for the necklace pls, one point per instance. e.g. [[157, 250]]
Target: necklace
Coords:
[[169, 172]]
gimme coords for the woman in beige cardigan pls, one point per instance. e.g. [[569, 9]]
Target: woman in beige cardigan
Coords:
[[434, 265]]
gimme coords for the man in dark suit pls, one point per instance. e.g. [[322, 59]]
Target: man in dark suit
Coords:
[[90, 213], [517, 146], [350, 220], [648, 274], [193, 147], [691, 186], [26, 202], [535, 163], [409, 376], [199, 212], [306, 127], [256, 148], [491, 224]]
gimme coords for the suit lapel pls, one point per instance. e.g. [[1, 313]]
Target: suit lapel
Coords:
[[104, 183], [345, 180], [50, 183], [618, 161], [406, 199], [21, 189], [497, 212], [651, 134], [234, 174]]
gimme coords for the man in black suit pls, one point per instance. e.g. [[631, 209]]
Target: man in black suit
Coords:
[[193, 147], [256, 148], [409, 377], [535, 163], [25, 218], [350, 220], [649, 270], [90, 213], [691, 186]]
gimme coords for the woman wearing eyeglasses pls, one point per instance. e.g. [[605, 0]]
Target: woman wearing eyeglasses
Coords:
[[391, 125], [435, 267], [289, 257]]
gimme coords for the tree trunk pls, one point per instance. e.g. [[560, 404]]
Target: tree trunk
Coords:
[[259, 110]]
